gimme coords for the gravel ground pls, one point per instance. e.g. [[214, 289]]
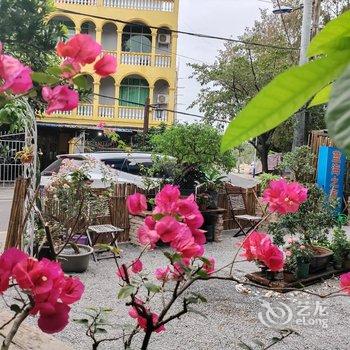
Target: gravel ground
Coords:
[[231, 316]]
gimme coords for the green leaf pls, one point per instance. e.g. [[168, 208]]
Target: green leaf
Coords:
[[338, 113], [322, 97], [200, 297], [281, 98], [153, 288], [81, 321], [45, 79], [15, 308], [244, 346], [56, 71], [331, 36], [126, 291], [81, 82]]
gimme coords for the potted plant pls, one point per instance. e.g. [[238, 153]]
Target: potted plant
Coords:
[[340, 245], [298, 259], [311, 224], [70, 206], [213, 181]]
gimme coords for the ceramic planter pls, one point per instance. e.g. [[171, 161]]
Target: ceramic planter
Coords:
[[72, 262], [303, 269]]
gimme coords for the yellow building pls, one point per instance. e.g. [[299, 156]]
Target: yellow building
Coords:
[[140, 38]]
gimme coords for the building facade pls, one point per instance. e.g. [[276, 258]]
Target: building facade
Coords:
[[138, 33]]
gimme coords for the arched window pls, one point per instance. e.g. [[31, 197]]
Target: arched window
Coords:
[[109, 37], [67, 22], [133, 88], [88, 28], [137, 37], [107, 91]]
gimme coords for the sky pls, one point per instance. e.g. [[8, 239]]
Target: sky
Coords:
[[226, 18]]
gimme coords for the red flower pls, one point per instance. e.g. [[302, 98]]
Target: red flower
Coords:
[[60, 98], [136, 266], [168, 228], [56, 321], [167, 200], [81, 47], [72, 290], [345, 282], [106, 65], [136, 203], [8, 261], [283, 197]]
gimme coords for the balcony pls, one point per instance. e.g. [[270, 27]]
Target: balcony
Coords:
[[113, 114], [147, 5]]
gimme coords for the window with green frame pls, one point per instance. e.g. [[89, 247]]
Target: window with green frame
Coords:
[[134, 89]]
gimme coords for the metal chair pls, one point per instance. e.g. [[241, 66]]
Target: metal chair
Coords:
[[237, 203], [102, 230]]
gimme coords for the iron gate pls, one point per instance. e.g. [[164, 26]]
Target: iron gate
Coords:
[[10, 167]]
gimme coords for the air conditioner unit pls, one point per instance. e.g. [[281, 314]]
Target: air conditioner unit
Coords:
[[164, 39], [162, 99]]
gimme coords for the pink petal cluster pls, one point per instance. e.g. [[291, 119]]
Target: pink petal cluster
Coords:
[[283, 197], [82, 49], [345, 282], [136, 203], [259, 247], [14, 75], [51, 290], [142, 321], [60, 98], [178, 222]]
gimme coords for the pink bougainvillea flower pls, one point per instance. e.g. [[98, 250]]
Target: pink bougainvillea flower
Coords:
[[105, 66], [167, 200], [272, 256], [147, 236], [70, 68], [136, 266], [16, 77], [56, 321], [136, 203], [101, 125], [168, 228], [162, 274], [195, 220], [150, 222], [187, 206], [210, 266], [345, 282], [82, 48], [72, 290], [8, 260], [121, 272], [283, 197], [199, 236], [60, 98], [252, 244]]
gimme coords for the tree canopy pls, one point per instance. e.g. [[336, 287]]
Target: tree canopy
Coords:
[[26, 34]]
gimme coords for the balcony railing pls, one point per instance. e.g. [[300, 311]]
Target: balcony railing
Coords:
[[136, 59], [123, 114], [149, 5], [163, 61]]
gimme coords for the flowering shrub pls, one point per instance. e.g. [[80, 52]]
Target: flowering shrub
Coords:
[[58, 90], [43, 288]]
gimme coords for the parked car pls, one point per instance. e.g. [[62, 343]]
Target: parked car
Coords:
[[126, 167]]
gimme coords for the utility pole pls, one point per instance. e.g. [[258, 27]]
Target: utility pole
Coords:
[[146, 120], [300, 117]]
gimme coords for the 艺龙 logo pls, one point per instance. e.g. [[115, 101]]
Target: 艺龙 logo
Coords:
[[279, 314]]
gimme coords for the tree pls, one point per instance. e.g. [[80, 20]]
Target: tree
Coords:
[[240, 71], [26, 34], [193, 145]]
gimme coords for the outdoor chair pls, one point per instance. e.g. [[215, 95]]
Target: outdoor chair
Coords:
[[97, 231], [237, 205]]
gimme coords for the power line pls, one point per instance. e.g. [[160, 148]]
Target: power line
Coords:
[[199, 35], [154, 107]]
